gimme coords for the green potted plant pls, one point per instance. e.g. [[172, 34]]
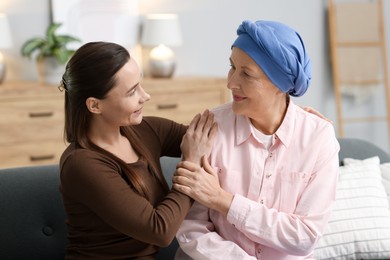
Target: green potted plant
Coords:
[[50, 52]]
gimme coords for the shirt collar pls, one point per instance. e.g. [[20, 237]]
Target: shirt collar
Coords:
[[242, 129], [243, 126], [285, 130]]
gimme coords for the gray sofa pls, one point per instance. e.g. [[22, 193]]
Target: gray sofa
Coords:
[[32, 218]]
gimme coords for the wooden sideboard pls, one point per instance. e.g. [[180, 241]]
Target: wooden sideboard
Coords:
[[32, 116], [31, 124], [180, 99]]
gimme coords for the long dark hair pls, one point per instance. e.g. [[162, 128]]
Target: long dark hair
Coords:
[[91, 73]]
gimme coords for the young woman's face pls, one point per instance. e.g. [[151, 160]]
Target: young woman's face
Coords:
[[253, 93], [124, 102]]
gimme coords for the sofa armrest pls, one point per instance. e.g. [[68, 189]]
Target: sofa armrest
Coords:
[[360, 149], [168, 166]]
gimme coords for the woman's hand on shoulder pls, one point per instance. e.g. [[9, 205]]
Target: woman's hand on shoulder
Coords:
[[199, 137], [315, 112]]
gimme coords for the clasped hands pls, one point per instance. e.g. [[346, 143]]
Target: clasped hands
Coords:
[[194, 175]]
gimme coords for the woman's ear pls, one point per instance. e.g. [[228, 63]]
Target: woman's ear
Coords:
[[93, 105]]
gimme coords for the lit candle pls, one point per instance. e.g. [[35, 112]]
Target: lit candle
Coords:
[[161, 53]]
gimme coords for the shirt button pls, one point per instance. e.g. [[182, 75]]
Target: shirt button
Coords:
[[268, 175], [270, 155], [262, 201]]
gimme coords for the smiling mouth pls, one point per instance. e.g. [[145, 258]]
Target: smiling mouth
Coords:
[[138, 111], [238, 98]]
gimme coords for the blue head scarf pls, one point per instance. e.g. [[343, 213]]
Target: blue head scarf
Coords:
[[280, 53]]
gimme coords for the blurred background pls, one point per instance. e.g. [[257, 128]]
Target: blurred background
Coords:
[[208, 29]]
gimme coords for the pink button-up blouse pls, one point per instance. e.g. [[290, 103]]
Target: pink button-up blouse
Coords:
[[282, 195]]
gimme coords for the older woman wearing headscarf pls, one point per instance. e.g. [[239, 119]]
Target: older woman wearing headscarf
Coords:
[[267, 188]]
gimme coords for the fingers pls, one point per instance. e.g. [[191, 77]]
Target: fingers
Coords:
[[206, 166], [210, 126], [201, 124], [183, 189], [183, 178], [182, 174], [204, 123], [194, 123], [315, 112], [199, 137], [191, 166], [214, 130]]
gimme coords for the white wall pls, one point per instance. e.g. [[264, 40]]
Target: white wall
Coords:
[[209, 28]]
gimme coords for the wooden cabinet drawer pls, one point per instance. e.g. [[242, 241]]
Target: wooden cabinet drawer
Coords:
[[31, 119], [181, 106], [180, 99], [31, 111], [25, 154], [40, 131]]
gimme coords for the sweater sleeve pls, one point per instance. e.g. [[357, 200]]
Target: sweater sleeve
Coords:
[[168, 133], [94, 181]]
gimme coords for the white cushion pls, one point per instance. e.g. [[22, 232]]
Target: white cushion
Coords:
[[359, 226], [385, 170]]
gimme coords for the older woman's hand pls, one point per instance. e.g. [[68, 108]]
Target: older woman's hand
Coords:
[[202, 184], [199, 137]]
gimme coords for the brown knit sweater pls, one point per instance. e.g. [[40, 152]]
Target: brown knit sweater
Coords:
[[106, 218]]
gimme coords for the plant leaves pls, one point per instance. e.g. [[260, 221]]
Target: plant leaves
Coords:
[[52, 46], [50, 33], [32, 45], [63, 55], [63, 40]]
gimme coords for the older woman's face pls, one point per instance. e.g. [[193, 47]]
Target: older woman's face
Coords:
[[254, 95]]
